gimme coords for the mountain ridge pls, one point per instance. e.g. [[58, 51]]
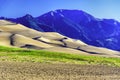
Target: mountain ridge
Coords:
[[76, 24]]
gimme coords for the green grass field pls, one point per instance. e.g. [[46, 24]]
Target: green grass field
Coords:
[[24, 55]]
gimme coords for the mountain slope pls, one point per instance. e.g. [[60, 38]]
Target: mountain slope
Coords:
[[80, 25], [76, 24], [17, 35]]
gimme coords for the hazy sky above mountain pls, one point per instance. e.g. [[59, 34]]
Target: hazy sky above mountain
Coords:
[[97, 8]]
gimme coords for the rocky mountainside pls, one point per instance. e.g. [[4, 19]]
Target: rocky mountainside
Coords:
[[76, 24]]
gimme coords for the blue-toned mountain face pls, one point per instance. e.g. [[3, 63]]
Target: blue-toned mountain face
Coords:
[[78, 25], [30, 22]]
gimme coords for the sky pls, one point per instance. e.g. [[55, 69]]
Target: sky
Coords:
[[99, 8]]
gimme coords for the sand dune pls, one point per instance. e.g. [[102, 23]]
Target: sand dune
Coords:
[[17, 35], [5, 39], [9, 39]]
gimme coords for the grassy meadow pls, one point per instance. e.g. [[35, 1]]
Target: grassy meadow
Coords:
[[24, 55]]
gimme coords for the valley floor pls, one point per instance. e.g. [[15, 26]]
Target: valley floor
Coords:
[[48, 71]]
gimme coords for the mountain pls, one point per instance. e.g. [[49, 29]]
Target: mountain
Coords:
[[30, 22], [76, 24], [17, 35]]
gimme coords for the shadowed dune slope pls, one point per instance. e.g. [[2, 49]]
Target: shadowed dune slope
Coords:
[[17, 35]]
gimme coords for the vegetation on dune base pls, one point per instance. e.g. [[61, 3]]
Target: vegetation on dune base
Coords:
[[24, 55]]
